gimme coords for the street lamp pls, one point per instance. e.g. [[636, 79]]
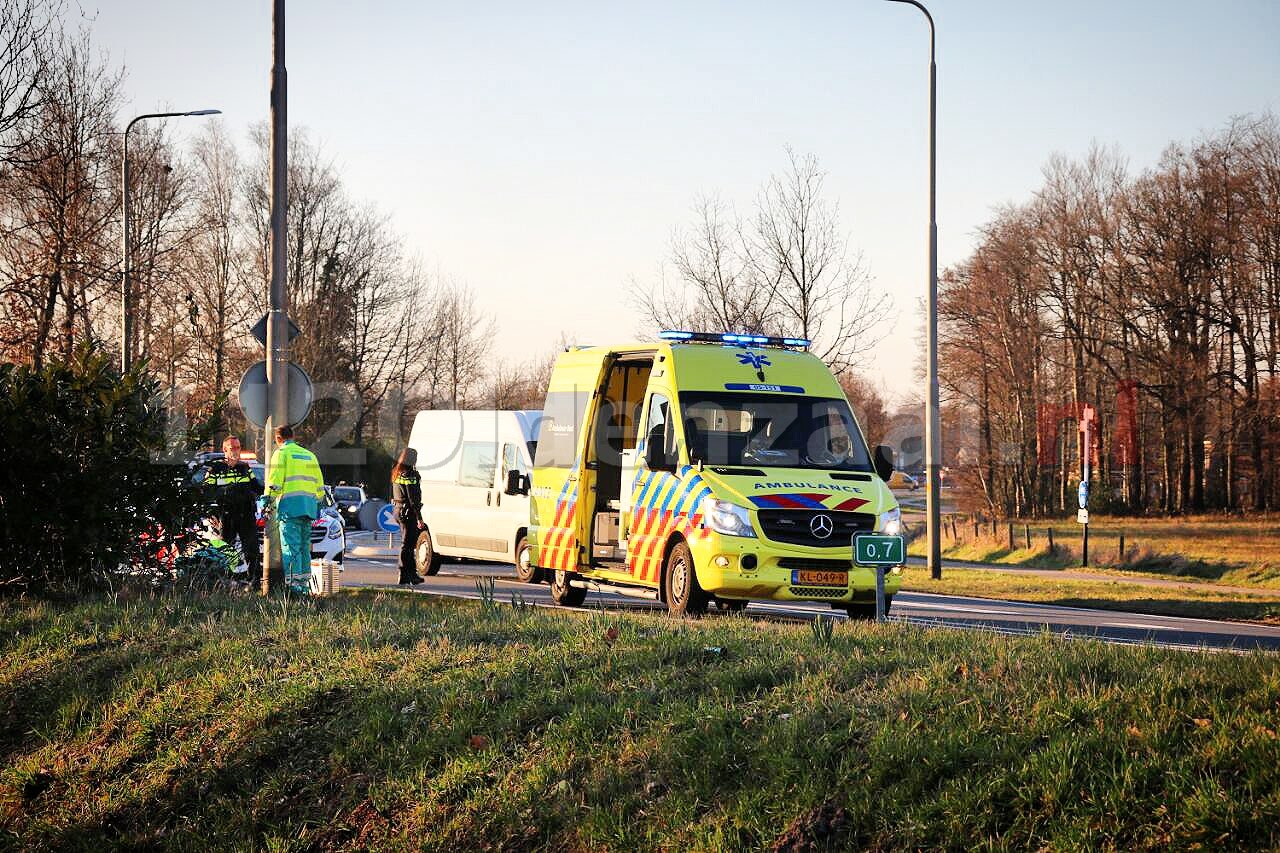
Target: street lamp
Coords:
[[126, 315], [933, 422]]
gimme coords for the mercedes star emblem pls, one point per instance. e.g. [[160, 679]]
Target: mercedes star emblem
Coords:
[[821, 526]]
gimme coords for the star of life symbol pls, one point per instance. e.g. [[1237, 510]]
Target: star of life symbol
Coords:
[[755, 359], [821, 526]]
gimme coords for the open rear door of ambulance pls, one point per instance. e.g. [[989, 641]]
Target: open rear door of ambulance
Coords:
[[563, 500]]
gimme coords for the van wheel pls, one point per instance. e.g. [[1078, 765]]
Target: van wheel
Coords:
[[564, 594], [867, 612], [684, 595], [425, 552], [526, 571]]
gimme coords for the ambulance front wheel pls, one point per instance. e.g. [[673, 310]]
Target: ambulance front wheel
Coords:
[[684, 595], [425, 553], [863, 611], [526, 571], [563, 593]]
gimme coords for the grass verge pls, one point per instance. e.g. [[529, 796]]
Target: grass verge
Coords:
[[1102, 594], [388, 721], [1229, 551]]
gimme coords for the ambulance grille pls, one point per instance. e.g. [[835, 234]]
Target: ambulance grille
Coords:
[[818, 592], [815, 565], [792, 526]]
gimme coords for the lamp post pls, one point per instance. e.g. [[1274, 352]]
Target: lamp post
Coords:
[[126, 314], [933, 421]]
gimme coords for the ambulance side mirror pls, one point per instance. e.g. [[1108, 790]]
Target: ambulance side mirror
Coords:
[[655, 453], [884, 461]]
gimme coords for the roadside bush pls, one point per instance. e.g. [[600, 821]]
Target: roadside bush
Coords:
[[83, 492]]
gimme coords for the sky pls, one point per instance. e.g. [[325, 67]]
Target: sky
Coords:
[[545, 153]]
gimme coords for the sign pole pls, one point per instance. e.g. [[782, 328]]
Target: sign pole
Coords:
[[277, 295], [879, 593], [1087, 452]]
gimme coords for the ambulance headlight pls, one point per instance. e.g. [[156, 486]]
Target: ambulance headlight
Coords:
[[891, 522], [727, 518]]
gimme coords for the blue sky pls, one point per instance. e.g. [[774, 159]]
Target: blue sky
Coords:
[[543, 153]]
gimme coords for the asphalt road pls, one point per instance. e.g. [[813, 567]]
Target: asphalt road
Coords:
[[459, 580]]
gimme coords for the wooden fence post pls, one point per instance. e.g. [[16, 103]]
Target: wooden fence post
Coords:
[[1121, 557], [1011, 536], [1028, 532], [1051, 540]]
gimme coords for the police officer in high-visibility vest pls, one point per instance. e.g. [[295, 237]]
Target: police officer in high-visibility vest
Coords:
[[296, 487], [235, 491]]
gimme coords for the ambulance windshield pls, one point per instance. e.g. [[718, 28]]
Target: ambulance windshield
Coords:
[[772, 431]]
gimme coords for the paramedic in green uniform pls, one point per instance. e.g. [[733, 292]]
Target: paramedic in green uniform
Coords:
[[296, 487]]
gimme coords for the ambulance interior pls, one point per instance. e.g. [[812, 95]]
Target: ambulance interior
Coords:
[[615, 435]]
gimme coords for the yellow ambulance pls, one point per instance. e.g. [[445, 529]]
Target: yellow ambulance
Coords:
[[707, 469]]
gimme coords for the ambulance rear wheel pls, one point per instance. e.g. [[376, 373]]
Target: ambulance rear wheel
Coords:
[[526, 571], [563, 593], [425, 553], [683, 593]]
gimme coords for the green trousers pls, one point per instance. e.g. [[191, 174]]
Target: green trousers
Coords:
[[295, 552]]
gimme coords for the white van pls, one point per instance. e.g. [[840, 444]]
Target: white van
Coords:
[[475, 467]]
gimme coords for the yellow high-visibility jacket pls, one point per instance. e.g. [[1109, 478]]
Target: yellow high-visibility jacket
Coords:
[[295, 482]]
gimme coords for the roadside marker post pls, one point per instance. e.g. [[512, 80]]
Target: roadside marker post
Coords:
[[1087, 417], [879, 552]]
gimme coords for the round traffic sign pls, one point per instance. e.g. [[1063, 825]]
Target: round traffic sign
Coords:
[[253, 394], [387, 522]]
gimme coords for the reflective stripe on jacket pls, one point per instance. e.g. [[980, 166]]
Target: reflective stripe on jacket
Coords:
[[233, 486], [406, 494], [295, 481]]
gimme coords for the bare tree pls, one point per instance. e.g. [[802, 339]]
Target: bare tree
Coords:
[[716, 287], [60, 202], [223, 303], [459, 362], [819, 289], [26, 28], [788, 271]]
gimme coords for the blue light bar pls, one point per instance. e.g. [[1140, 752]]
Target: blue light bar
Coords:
[[732, 338]]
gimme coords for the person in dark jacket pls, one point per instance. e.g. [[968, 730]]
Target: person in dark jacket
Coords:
[[236, 491], [406, 494]]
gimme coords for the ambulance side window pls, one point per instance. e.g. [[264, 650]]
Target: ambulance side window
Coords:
[[659, 418], [658, 407]]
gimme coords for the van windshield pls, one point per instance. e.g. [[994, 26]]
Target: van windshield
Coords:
[[772, 431]]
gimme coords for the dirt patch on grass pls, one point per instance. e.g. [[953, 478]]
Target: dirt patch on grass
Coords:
[[817, 829]]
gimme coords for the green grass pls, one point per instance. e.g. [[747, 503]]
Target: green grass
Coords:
[[391, 721], [1106, 593], [1228, 551]]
